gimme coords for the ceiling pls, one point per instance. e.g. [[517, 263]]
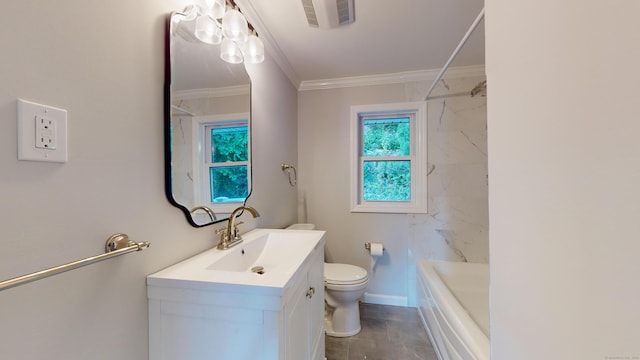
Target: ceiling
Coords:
[[386, 37]]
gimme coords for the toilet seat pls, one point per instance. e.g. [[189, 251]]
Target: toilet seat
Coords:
[[344, 274]]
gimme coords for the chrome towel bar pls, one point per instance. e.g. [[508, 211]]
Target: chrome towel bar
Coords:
[[116, 245]]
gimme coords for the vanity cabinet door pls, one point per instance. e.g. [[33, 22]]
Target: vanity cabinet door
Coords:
[[304, 314], [297, 324]]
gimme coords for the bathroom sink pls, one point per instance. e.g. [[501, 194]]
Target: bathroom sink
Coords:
[[266, 259], [270, 251]]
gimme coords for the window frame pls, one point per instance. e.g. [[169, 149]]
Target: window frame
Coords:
[[417, 113], [202, 160]]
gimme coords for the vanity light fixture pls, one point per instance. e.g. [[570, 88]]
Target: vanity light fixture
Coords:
[[220, 22], [230, 51], [235, 26], [217, 8], [208, 30], [253, 49]]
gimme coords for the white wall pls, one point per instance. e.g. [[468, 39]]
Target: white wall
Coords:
[[455, 227], [103, 62], [564, 178]]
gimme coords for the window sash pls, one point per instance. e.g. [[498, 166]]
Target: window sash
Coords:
[[387, 159], [362, 118]]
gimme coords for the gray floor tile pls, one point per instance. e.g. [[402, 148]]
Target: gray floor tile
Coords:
[[336, 348], [388, 332], [407, 333], [374, 329]]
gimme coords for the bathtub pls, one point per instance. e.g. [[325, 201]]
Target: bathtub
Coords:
[[453, 302]]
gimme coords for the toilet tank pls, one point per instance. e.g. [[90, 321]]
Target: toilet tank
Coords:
[[301, 227]]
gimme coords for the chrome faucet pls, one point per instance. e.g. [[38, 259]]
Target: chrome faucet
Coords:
[[230, 237]]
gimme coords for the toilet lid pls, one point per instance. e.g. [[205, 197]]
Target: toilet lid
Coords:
[[344, 274]]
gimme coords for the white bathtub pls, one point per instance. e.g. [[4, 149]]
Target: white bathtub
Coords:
[[453, 302]]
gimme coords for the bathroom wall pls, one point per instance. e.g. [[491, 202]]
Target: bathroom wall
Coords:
[[564, 179], [455, 227], [104, 63]]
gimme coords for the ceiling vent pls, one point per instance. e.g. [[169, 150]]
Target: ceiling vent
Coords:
[[329, 13]]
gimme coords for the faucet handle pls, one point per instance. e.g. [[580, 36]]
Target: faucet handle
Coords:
[[222, 232], [235, 229]]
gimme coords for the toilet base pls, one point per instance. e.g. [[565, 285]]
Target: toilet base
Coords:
[[342, 321], [328, 328]]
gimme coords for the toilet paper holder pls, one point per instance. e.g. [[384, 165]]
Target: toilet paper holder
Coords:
[[367, 246]]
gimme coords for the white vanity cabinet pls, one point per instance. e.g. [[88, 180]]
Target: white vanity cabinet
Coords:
[[195, 320], [304, 316]]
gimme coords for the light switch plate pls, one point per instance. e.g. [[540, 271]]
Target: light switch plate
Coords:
[[42, 132]]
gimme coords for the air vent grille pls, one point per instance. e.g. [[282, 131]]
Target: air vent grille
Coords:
[[329, 13], [312, 19], [346, 13]]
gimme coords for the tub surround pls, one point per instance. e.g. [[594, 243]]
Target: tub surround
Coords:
[[456, 227]]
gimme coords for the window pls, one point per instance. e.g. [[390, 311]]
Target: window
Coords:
[[388, 158], [227, 162], [223, 161]]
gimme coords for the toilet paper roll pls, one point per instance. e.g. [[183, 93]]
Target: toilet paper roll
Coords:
[[376, 249]]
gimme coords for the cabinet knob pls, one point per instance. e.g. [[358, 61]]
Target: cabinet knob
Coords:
[[310, 292]]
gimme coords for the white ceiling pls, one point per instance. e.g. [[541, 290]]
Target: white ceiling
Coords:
[[386, 37]]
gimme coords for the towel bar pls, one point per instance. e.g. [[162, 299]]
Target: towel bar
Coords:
[[116, 245]]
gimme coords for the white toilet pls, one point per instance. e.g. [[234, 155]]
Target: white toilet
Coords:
[[344, 286]]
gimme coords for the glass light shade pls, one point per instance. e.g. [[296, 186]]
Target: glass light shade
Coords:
[[207, 30], [253, 50], [203, 6], [230, 51], [234, 26], [217, 8]]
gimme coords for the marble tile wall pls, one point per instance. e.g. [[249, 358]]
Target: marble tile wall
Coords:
[[456, 227]]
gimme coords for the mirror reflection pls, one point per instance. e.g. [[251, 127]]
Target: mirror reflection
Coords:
[[208, 126]]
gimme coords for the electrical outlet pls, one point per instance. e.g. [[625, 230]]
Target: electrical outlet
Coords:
[[45, 133], [42, 132]]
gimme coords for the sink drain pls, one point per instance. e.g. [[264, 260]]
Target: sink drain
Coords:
[[258, 270]]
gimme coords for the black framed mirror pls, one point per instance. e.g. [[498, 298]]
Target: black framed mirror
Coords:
[[207, 125]]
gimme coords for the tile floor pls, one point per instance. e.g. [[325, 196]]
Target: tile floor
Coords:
[[388, 332]]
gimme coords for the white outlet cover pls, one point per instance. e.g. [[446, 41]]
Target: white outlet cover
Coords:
[[29, 113]]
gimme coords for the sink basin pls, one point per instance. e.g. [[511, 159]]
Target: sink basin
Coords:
[[273, 254], [271, 251]]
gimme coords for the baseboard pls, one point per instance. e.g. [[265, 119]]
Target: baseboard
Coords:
[[382, 299]]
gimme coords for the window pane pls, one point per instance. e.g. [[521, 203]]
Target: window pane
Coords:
[[387, 180], [386, 137], [229, 144], [228, 183]]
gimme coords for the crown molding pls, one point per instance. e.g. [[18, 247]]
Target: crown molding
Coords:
[[392, 78], [211, 92]]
